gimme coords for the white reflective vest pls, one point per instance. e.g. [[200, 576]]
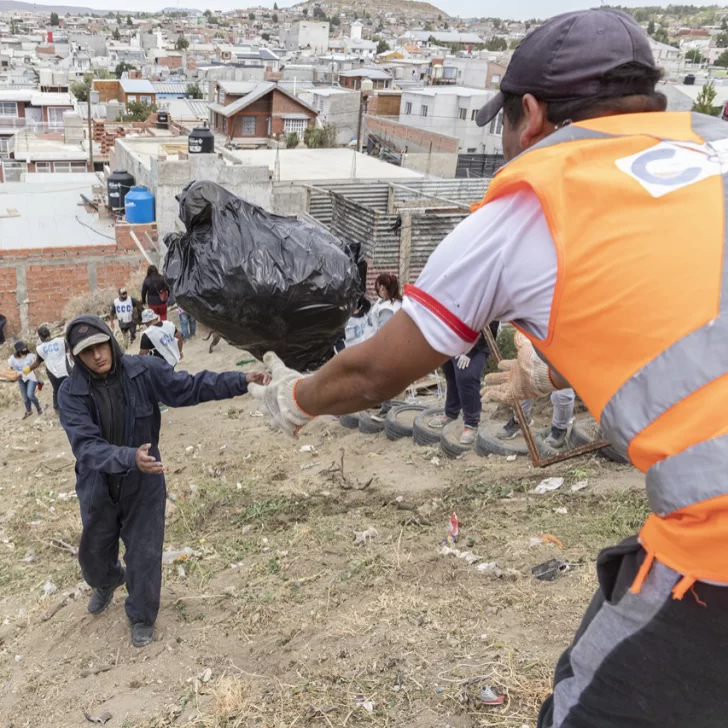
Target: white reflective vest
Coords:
[[164, 341], [123, 310]]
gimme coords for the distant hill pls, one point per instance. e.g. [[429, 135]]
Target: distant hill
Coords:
[[409, 8], [10, 5]]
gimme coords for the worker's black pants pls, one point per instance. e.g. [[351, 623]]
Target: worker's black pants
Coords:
[[463, 388], [138, 519], [644, 660], [56, 384]]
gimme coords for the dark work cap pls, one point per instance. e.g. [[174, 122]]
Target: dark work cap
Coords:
[[84, 333], [565, 58]]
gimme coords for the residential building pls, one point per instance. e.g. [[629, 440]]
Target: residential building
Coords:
[[125, 90], [422, 37], [452, 110], [353, 79], [473, 72], [339, 107], [256, 112], [313, 35]]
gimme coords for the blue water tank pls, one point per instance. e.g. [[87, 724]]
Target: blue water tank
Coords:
[[139, 205]]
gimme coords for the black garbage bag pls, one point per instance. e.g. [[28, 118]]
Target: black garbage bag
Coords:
[[264, 282]]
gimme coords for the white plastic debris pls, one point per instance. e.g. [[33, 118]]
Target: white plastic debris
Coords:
[[181, 573], [511, 458], [307, 448], [49, 588], [169, 557], [547, 485], [189, 448], [206, 675], [580, 485], [364, 536], [561, 511], [368, 705], [435, 460]]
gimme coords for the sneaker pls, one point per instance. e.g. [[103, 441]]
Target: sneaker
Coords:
[[163, 407], [510, 429], [40, 410], [26, 415], [142, 634], [440, 421], [556, 438], [103, 596], [468, 436]]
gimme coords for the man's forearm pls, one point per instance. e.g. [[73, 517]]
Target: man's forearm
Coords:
[[371, 372]]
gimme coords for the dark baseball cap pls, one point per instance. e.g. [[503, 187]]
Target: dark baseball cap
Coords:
[[83, 334], [565, 58]]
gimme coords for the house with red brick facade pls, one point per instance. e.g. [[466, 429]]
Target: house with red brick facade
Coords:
[[255, 112]]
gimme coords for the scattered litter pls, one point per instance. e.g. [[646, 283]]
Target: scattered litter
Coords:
[[470, 541], [181, 573], [551, 569], [169, 557], [189, 448], [206, 675], [399, 499], [364, 536], [467, 556], [307, 448], [548, 484], [550, 538], [308, 466], [239, 486], [484, 636], [256, 414], [29, 557], [534, 541], [435, 460], [580, 485], [18, 658], [453, 529], [561, 511], [511, 458], [439, 690], [368, 705], [223, 447], [49, 588], [488, 696], [102, 719], [488, 567]]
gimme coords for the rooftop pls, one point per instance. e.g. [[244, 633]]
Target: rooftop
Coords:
[[136, 86], [44, 212], [373, 73], [316, 165], [450, 91]]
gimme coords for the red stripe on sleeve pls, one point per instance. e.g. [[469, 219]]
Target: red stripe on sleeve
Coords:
[[448, 318]]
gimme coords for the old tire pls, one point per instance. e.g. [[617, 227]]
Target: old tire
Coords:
[[580, 435], [369, 426], [421, 433], [487, 444], [450, 440], [351, 422], [394, 427]]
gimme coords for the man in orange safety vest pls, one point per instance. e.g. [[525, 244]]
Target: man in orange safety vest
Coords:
[[604, 240]]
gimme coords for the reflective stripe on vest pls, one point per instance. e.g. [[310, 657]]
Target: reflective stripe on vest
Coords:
[[647, 350]]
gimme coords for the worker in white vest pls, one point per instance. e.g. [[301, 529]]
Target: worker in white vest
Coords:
[[160, 338], [122, 310]]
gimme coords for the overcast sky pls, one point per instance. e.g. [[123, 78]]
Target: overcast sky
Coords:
[[516, 9]]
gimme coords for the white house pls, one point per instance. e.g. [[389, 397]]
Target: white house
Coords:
[[452, 110], [313, 35]]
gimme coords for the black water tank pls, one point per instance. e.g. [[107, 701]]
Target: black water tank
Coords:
[[163, 120], [201, 141], [689, 79], [118, 184]]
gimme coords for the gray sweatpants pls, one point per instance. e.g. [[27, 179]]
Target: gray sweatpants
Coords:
[[563, 402]]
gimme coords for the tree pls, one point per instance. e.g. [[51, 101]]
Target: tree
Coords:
[[432, 40], [651, 27], [193, 91], [382, 46], [318, 13], [335, 20], [704, 103], [138, 111], [721, 40], [724, 24], [496, 44], [305, 12], [208, 13], [292, 140], [428, 26], [129, 21], [514, 44], [116, 35], [694, 56], [182, 44], [722, 60], [274, 17], [661, 35], [320, 138], [54, 19], [265, 36], [251, 16], [122, 68], [275, 6], [80, 89]]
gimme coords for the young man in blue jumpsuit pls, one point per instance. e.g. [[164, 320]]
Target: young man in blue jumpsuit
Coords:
[[110, 412]]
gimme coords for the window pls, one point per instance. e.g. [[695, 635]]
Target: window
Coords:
[[42, 166], [55, 116], [8, 108], [221, 96], [297, 125], [6, 146], [423, 111], [473, 115], [462, 114], [495, 78], [60, 166], [145, 99], [472, 150], [248, 126], [496, 126], [408, 107]]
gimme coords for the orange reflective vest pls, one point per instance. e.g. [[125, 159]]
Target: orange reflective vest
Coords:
[[636, 205]]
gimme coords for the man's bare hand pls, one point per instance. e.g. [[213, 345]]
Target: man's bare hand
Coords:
[[262, 378], [147, 463]]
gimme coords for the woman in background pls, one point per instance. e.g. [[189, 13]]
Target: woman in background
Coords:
[[21, 360], [389, 300], [155, 293]]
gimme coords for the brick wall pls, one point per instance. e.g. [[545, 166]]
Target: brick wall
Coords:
[[401, 136], [36, 283], [170, 61], [283, 104]]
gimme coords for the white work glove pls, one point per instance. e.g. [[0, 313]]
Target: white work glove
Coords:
[[463, 361], [525, 377], [278, 397]]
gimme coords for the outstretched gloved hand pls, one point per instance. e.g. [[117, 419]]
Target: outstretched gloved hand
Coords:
[[525, 377], [279, 397]]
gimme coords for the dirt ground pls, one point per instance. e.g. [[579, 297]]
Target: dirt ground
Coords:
[[279, 618]]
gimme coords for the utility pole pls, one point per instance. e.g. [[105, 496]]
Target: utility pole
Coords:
[[90, 132], [363, 99]]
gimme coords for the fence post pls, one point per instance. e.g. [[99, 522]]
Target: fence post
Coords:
[[405, 246]]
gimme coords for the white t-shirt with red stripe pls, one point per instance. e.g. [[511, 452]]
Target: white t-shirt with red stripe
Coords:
[[499, 264]]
